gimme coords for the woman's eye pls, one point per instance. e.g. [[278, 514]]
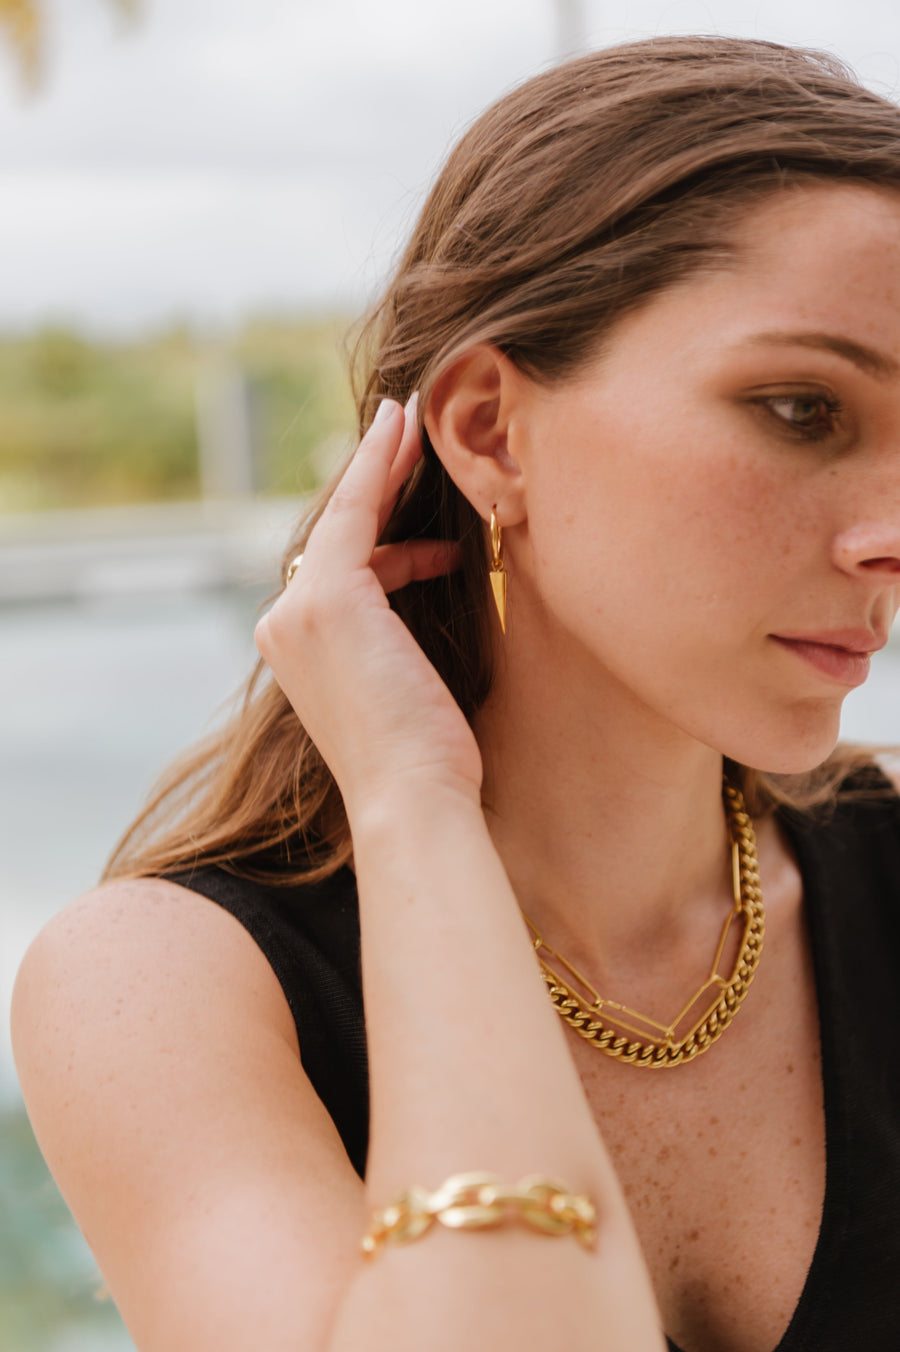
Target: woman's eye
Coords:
[[811, 414]]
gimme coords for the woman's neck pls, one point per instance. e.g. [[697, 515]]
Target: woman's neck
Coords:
[[609, 820]]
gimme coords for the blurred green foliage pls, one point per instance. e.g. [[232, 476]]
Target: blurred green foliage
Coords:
[[299, 380], [85, 423], [48, 1282]]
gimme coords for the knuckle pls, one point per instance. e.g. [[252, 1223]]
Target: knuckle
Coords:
[[309, 617], [299, 614], [262, 636], [273, 632], [345, 496]]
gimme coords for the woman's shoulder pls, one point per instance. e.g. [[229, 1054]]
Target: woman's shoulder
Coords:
[[153, 936], [312, 919], [158, 1059]]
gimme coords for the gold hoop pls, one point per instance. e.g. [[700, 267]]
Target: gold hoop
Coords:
[[496, 542]]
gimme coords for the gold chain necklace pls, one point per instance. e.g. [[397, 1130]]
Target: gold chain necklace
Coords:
[[606, 1024]]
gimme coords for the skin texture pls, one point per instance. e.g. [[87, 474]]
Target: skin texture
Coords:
[[664, 520]]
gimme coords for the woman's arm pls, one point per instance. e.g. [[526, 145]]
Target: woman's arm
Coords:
[[468, 1062], [158, 1058]]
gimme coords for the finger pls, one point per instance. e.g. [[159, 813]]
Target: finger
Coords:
[[408, 456], [396, 566], [344, 536]]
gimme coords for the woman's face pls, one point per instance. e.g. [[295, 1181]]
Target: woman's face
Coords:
[[714, 504]]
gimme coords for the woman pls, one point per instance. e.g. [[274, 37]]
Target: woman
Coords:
[[651, 313]]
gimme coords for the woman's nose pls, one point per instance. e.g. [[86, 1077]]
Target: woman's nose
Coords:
[[870, 549]]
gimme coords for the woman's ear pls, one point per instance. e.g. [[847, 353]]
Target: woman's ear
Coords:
[[471, 420]]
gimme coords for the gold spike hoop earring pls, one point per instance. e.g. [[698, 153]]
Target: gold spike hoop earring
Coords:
[[498, 569]]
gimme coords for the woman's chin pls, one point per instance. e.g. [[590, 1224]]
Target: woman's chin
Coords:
[[793, 750]]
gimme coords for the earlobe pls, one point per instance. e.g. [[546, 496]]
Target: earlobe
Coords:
[[470, 417]]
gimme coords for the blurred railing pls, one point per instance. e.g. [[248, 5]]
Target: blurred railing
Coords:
[[158, 548]]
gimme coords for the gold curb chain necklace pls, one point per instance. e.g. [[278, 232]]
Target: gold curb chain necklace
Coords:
[[620, 1031]]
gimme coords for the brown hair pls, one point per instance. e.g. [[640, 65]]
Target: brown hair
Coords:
[[571, 201]]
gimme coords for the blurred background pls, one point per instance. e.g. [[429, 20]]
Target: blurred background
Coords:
[[196, 197]]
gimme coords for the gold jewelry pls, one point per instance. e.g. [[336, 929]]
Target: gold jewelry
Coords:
[[606, 1024], [292, 567], [498, 569], [481, 1202]]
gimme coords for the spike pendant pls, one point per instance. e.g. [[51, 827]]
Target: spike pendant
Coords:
[[498, 587]]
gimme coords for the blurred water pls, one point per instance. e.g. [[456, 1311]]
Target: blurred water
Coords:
[[95, 698]]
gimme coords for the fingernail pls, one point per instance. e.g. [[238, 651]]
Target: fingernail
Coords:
[[411, 403], [385, 409]]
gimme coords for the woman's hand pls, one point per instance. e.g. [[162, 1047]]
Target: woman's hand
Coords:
[[362, 687]]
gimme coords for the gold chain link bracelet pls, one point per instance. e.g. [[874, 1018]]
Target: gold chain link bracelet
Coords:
[[481, 1202]]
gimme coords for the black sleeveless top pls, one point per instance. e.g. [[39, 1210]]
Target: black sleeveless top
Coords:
[[850, 864]]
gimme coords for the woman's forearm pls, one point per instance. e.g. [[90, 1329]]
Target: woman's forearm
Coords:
[[459, 1027], [469, 1071]]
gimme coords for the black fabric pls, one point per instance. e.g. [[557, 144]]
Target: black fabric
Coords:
[[850, 864], [310, 935]]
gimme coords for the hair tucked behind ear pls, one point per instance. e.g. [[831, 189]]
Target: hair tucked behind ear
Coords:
[[568, 204]]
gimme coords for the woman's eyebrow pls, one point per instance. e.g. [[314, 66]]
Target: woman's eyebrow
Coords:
[[868, 359]]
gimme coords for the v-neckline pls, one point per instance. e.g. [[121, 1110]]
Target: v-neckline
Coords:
[[834, 1202]]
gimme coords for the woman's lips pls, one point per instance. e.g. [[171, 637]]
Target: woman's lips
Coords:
[[848, 665]]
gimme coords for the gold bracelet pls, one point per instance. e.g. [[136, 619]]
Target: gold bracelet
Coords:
[[480, 1202]]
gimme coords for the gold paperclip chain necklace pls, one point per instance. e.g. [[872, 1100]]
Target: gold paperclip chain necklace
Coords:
[[611, 1027]]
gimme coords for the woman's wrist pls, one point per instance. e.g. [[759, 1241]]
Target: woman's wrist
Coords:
[[412, 808]]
